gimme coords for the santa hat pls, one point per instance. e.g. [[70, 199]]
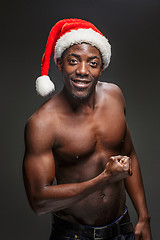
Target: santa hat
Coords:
[[64, 34]]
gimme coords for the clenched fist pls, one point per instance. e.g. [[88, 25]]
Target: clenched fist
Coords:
[[118, 167]]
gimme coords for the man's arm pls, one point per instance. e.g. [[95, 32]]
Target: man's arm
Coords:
[[39, 172], [135, 189]]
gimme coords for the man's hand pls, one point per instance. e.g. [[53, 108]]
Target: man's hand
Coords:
[[119, 167], [142, 230]]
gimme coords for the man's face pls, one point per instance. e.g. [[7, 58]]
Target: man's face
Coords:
[[81, 66]]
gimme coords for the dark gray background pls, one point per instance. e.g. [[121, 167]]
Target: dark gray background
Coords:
[[133, 28]]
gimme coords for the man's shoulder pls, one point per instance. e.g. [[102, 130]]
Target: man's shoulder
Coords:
[[110, 89], [39, 129], [111, 94], [45, 116]]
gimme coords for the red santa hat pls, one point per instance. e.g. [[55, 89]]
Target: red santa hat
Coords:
[[64, 34]]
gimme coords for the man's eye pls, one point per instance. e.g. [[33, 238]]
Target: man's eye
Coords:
[[93, 64], [73, 61]]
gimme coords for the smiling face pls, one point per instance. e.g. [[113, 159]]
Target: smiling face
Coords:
[[81, 66]]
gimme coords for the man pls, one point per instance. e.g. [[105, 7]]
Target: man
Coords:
[[80, 137]]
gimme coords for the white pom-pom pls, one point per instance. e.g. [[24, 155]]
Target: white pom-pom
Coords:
[[44, 86]]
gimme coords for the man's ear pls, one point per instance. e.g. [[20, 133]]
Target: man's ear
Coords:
[[59, 64], [101, 70]]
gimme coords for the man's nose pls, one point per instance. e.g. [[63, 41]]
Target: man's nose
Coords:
[[82, 69]]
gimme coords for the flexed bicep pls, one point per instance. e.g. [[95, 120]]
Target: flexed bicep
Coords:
[[38, 164]]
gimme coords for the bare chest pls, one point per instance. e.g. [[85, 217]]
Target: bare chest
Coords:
[[82, 136]]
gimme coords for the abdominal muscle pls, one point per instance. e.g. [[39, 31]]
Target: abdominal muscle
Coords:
[[103, 206], [99, 208]]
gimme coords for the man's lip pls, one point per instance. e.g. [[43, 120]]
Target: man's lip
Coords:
[[81, 83], [81, 80]]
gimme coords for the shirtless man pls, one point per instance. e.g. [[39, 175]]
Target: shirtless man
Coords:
[[80, 137]]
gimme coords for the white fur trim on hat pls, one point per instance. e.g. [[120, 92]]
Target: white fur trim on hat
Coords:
[[84, 35], [44, 86]]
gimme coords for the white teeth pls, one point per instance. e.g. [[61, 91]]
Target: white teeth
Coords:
[[81, 83]]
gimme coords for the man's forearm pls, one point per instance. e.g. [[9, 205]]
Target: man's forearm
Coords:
[[134, 186], [58, 197], [135, 189]]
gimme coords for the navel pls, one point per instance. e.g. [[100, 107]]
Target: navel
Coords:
[[103, 195]]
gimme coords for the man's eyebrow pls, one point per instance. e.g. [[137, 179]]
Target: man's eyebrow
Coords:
[[76, 55], [93, 57]]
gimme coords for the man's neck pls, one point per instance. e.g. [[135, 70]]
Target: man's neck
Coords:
[[77, 103]]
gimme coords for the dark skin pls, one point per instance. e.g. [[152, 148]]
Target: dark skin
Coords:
[[80, 136]]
